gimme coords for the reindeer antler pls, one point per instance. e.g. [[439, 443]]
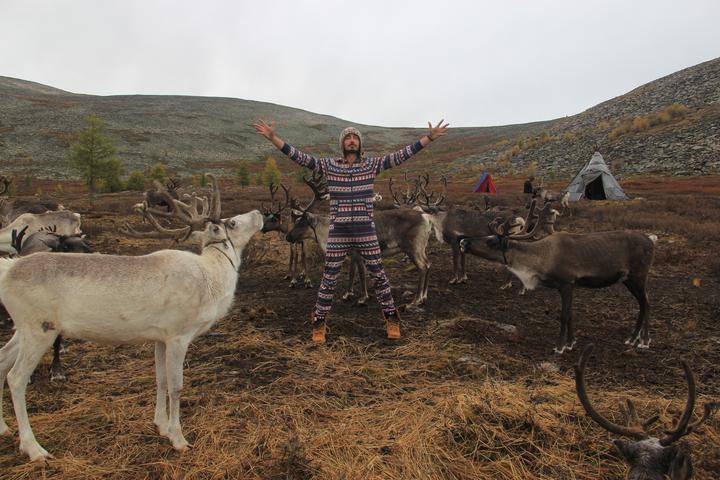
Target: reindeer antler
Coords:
[[632, 431], [638, 429], [279, 205], [186, 213]]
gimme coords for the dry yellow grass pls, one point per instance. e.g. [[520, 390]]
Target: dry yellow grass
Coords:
[[259, 405]]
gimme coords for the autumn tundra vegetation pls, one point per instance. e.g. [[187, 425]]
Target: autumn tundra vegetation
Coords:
[[473, 390]]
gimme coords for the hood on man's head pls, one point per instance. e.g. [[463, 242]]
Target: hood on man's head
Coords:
[[348, 131]]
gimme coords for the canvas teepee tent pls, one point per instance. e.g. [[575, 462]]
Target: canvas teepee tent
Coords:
[[595, 182], [485, 184]]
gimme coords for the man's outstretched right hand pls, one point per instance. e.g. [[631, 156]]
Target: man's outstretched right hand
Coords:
[[264, 129]]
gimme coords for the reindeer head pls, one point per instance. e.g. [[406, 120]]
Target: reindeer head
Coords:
[[649, 458], [273, 220]]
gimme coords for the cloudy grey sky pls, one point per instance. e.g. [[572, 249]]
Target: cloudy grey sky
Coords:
[[377, 62]]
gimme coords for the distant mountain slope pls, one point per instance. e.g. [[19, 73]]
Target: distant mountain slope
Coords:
[[195, 134]]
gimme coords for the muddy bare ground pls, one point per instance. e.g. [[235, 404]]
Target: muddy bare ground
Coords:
[[472, 390]]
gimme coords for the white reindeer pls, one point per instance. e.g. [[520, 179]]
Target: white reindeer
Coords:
[[168, 297], [62, 222]]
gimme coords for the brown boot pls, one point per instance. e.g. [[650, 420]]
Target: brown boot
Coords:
[[319, 328], [392, 324]]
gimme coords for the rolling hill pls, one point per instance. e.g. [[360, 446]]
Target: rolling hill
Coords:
[[670, 126]]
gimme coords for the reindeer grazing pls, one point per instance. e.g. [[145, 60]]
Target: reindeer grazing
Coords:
[[398, 230], [564, 261], [649, 458], [10, 209], [63, 222], [125, 299]]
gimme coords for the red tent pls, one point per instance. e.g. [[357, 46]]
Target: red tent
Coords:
[[485, 184]]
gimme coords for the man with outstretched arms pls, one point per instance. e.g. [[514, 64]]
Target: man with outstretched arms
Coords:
[[351, 181]]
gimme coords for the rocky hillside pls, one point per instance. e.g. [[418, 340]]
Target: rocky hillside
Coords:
[[670, 127]]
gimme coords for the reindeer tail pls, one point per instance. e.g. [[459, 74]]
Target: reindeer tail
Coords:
[[653, 238]]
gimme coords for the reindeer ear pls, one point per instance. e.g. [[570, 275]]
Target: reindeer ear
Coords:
[[679, 464]]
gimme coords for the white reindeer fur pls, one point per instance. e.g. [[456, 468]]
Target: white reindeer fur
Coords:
[[168, 297]]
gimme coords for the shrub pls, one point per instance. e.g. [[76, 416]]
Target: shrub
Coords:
[[136, 181]]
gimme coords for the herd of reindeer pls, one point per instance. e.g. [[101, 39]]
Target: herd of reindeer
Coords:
[[154, 297]]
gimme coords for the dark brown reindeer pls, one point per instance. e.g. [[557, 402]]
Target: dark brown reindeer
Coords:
[[649, 457], [451, 224], [158, 196], [274, 222], [564, 261]]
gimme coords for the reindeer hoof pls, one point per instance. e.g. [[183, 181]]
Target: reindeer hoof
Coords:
[[560, 350], [453, 281], [292, 284], [59, 377], [645, 345]]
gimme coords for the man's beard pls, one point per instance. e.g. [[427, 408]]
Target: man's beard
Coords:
[[355, 152]]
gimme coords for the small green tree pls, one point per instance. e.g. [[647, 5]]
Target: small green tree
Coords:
[[110, 176], [270, 173], [28, 184], [136, 181], [243, 174], [158, 172], [12, 189], [91, 151]]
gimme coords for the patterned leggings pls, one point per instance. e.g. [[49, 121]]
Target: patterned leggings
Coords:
[[342, 238]]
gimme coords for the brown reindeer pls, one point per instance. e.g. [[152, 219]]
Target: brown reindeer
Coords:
[[649, 457], [565, 260], [398, 230]]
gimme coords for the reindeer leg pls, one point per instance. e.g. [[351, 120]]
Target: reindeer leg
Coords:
[[175, 351], [161, 416], [293, 266], [362, 274], [456, 262], [32, 346], [426, 283], [308, 281], [463, 276], [8, 355], [641, 334], [565, 343], [56, 372]]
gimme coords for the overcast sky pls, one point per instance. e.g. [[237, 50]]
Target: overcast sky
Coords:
[[377, 62]]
